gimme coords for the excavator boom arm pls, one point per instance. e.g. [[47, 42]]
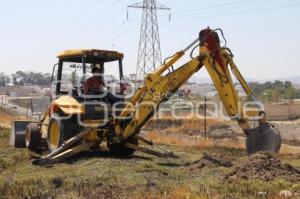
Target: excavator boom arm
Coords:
[[160, 86], [155, 92]]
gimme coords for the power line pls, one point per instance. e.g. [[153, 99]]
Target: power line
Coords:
[[109, 32], [45, 48], [129, 28], [102, 38], [84, 28], [106, 10], [213, 6], [230, 5], [82, 14], [217, 9], [207, 8], [130, 43], [196, 17]]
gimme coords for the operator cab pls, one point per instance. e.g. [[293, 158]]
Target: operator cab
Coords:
[[74, 67]]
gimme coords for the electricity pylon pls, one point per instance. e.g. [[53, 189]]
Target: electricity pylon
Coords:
[[149, 53]]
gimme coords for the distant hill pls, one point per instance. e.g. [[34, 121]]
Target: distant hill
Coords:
[[294, 80]]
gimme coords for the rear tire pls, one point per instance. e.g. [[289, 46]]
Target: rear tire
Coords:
[[60, 130], [17, 134], [266, 138], [33, 136]]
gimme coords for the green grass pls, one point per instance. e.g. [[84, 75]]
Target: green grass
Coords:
[[141, 176], [4, 134], [293, 160]]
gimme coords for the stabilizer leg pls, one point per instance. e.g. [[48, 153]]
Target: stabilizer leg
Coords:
[[59, 153]]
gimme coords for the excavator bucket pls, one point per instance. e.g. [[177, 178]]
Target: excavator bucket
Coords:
[[265, 137]]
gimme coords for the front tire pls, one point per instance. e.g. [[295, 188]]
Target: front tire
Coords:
[[60, 130]]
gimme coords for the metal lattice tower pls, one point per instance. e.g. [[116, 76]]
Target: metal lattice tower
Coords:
[[149, 53]]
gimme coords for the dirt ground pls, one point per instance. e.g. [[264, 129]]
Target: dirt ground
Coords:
[[208, 160], [210, 171], [216, 167]]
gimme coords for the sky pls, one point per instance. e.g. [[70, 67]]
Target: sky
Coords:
[[262, 34]]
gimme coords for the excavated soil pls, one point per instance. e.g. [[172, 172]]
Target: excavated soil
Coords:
[[265, 166], [208, 160]]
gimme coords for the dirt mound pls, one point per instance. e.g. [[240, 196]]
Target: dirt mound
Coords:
[[207, 160], [265, 166]]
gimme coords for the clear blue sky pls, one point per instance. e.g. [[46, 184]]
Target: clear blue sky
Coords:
[[263, 35]]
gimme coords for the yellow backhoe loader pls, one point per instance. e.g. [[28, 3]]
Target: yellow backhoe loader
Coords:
[[65, 128]]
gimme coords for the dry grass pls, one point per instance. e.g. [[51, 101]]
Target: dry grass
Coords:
[[289, 150], [197, 142], [97, 175], [186, 125], [141, 176], [282, 111], [6, 119], [171, 131], [189, 132], [202, 144]]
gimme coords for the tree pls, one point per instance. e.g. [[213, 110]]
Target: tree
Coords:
[[4, 79], [287, 84], [290, 94], [275, 95], [278, 84], [20, 78], [268, 94]]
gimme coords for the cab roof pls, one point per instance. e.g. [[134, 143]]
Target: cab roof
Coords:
[[91, 55]]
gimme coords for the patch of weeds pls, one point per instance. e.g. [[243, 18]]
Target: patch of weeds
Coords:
[[254, 188], [11, 157], [4, 133]]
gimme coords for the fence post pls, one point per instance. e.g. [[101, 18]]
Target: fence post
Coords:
[[289, 110], [205, 117]]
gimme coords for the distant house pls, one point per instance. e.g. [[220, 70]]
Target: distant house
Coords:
[[46, 91], [210, 94], [12, 94], [200, 90], [240, 90], [19, 91]]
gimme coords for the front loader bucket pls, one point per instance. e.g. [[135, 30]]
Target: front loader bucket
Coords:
[[17, 135], [263, 138]]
